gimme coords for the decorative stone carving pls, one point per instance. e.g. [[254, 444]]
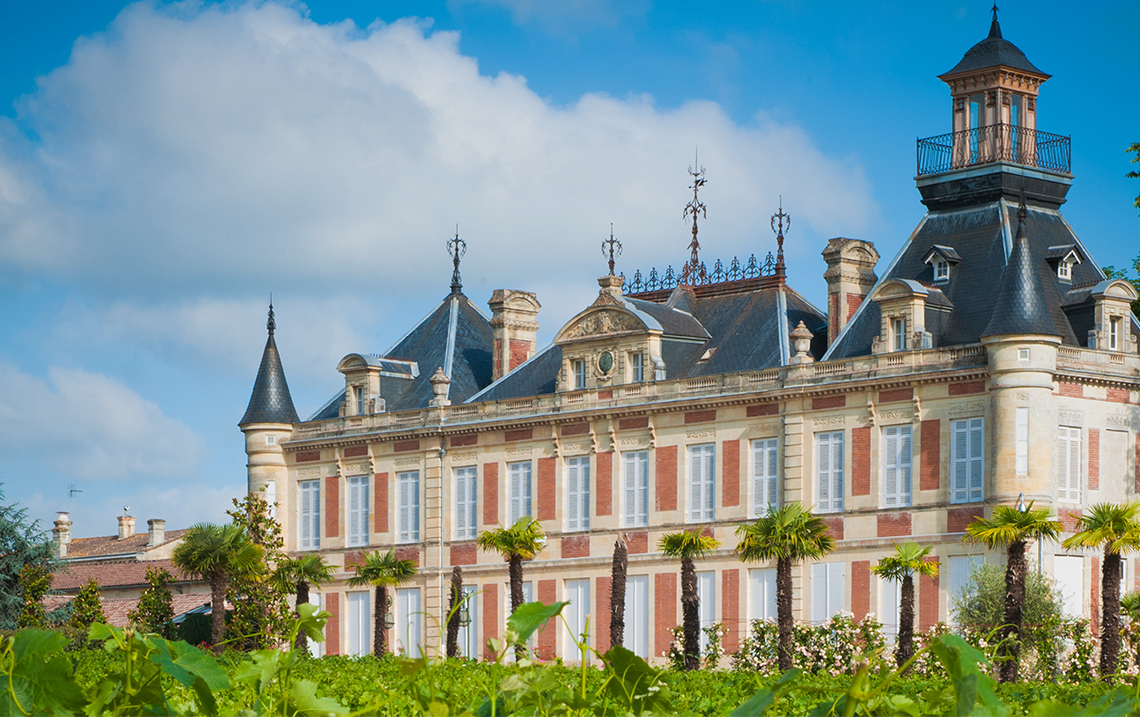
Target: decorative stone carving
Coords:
[[464, 458], [1071, 418], [603, 322], [966, 409], [801, 344], [1123, 421], [700, 434], [828, 421], [309, 472], [408, 462], [520, 453]]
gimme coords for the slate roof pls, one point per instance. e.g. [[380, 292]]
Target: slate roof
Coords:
[[111, 545], [991, 52], [270, 402], [1020, 297], [980, 235], [111, 573]]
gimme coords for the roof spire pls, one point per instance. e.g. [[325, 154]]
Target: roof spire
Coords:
[[456, 248], [612, 244], [693, 268], [1020, 306], [270, 401], [995, 28], [271, 324], [780, 222]]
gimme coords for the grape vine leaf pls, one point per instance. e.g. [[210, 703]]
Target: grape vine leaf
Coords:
[[529, 617], [39, 682]]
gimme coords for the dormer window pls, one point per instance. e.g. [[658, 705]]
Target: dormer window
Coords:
[[636, 368], [360, 407], [1065, 270], [1064, 258], [898, 328], [941, 270], [1114, 333], [579, 374], [940, 258]]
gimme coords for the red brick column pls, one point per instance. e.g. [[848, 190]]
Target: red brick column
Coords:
[[332, 506], [331, 603], [930, 457], [547, 635], [490, 617], [860, 588], [927, 599], [730, 472], [665, 610], [1094, 459], [600, 625], [730, 609], [380, 519], [490, 493], [547, 495], [667, 478], [861, 461], [893, 525], [604, 495]]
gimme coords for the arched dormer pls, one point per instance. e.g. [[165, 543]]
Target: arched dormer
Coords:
[[609, 344], [903, 305], [1112, 316], [372, 382]]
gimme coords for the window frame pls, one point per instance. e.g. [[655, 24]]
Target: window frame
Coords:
[[901, 461], [637, 367], [465, 480], [1069, 486], [578, 370], [833, 575], [836, 478], [515, 496], [577, 493], [1114, 324], [635, 489], [702, 487], [765, 475], [941, 270], [408, 515], [1065, 270], [967, 433], [309, 534], [898, 333], [357, 485]]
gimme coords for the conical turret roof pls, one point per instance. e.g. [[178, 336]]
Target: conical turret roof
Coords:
[[1020, 306], [993, 51], [270, 402]]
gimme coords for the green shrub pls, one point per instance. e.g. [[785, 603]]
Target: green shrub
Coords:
[[195, 629]]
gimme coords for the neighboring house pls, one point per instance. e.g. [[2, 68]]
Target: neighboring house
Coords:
[[118, 563], [990, 360]]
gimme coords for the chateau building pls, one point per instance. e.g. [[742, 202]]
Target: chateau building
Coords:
[[989, 362]]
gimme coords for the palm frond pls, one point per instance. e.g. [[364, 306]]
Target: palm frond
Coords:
[[1009, 525], [788, 532], [1114, 527], [525, 538], [687, 544], [907, 560], [383, 570]]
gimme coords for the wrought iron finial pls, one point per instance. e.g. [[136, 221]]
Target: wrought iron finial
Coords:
[[271, 324], [456, 248], [995, 11], [611, 247], [781, 222], [693, 268]]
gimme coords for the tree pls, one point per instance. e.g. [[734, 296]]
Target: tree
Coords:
[[618, 574], [294, 576], [519, 542], [980, 606], [34, 583], [1112, 272], [907, 561], [22, 543], [217, 553], [689, 545], [382, 570], [1134, 147], [1010, 528], [86, 610], [1115, 528], [787, 534], [261, 609], [453, 608], [155, 611]]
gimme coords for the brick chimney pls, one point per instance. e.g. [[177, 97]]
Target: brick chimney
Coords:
[[850, 277], [156, 529], [126, 525], [61, 534], [514, 326]]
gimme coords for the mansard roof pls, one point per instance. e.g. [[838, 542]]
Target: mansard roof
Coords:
[[270, 401], [1024, 309]]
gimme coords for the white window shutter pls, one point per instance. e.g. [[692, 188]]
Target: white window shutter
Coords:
[[977, 461], [773, 476], [906, 456], [836, 585], [824, 472], [960, 459], [818, 592], [890, 467]]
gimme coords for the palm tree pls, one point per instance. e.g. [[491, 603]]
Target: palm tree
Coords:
[[900, 568], [787, 534], [519, 542], [1130, 608], [215, 553], [618, 579], [382, 570], [1115, 528], [1009, 527], [688, 545], [295, 575]]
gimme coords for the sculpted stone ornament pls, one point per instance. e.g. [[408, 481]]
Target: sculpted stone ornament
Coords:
[[602, 323], [606, 362]]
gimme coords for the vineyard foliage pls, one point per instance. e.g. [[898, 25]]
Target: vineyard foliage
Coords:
[[135, 673]]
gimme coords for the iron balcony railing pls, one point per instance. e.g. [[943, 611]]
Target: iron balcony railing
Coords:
[[993, 143]]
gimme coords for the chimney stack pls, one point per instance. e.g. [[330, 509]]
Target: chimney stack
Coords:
[[850, 277], [515, 329], [126, 525], [62, 534], [156, 529]]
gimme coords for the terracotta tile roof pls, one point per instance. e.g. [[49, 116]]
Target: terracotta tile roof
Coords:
[[116, 610], [111, 574], [111, 545]]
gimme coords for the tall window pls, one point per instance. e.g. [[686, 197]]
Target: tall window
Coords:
[[579, 373], [1021, 441], [578, 493], [765, 484], [828, 583], [466, 502], [702, 482], [1069, 577], [706, 593], [635, 488], [469, 636], [358, 624], [519, 476], [357, 510], [576, 614], [829, 472], [409, 622], [889, 599], [637, 615], [636, 368], [966, 461], [1069, 464], [360, 406], [1114, 333], [898, 328], [310, 504], [762, 591], [408, 502], [958, 570], [897, 451]]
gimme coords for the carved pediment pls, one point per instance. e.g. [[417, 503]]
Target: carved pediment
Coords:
[[601, 323]]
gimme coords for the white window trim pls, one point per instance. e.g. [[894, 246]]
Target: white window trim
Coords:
[[578, 369], [972, 432], [408, 507], [702, 483], [520, 492], [898, 333], [828, 590], [1069, 439], [310, 524], [466, 482], [833, 442], [358, 529], [635, 489], [765, 475], [901, 462], [577, 493], [637, 367], [1114, 323], [941, 270]]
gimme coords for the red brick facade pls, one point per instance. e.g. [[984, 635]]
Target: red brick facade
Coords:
[[575, 429], [1094, 459], [308, 456], [355, 451], [930, 456], [1137, 477], [896, 394], [468, 440], [763, 409], [1069, 519], [927, 599], [1094, 597], [666, 478], [894, 525], [332, 506], [406, 446], [547, 634], [576, 546], [822, 402], [1118, 395], [834, 526], [861, 460], [965, 388], [546, 492], [860, 588], [518, 434], [605, 394], [490, 493], [730, 608], [730, 489], [409, 552], [464, 553], [665, 609], [380, 519], [832, 316], [630, 424], [600, 624], [700, 416], [604, 498], [1072, 390], [520, 352], [332, 626], [958, 518], [490, 617], [853, 303], [637, 543]]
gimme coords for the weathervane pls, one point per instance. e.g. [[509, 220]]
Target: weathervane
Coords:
[[609, 246], [692, 268], [456, 248], [271, 324], [781, 221]]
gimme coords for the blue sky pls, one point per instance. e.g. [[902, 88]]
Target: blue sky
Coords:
[[164, 167]]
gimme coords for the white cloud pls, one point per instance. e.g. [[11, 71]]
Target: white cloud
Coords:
[[216, 148], [567, 17], [90, 427]]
